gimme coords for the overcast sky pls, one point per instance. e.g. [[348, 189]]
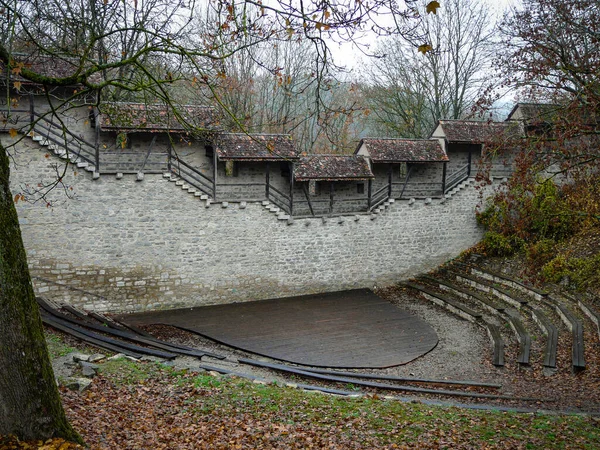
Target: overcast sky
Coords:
[[349, 56]]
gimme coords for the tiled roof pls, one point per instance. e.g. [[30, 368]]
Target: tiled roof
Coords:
[[50, 66], [403, 150], [478, 132], [332, 168], [119, 116], [535, 112], [255, 147]]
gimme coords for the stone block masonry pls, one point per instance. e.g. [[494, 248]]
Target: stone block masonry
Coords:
[[120, 245]]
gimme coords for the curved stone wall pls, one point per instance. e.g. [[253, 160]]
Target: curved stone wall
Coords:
[[126, 245]]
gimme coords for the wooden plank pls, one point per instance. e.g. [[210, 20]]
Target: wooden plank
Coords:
[[468, 294], [90, 340], [522, 336], [56, 321], [497, 343], [451, 304], [120, 333], [372, 384], [576, 327], [370, 376], [551, 332]]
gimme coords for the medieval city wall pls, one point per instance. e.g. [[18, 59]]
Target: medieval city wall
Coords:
[[127, 245]]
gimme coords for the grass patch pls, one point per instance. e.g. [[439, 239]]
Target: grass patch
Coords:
[[56, 346]]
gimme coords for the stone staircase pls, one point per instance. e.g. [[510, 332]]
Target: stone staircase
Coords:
[[64, 153], [469, 182], [191, 190]]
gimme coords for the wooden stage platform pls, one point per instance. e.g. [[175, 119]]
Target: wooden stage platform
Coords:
[[349, 329]]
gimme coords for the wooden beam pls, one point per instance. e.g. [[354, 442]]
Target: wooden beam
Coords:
[[444, 172], [267, 179], [215, 172], [291, 188], [331, 195]]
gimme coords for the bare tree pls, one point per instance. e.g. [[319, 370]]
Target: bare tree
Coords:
[[141, 50], [412, 90]]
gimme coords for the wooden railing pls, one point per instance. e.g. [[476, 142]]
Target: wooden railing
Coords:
[[379, 197], [457, 177], [278, 198], [60, 136], [191, 175]]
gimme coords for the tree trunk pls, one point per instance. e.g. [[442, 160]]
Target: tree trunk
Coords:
[[30, 405]]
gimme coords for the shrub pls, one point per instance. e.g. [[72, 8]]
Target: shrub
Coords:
[[496, 244], [540, 252], [582, 273]]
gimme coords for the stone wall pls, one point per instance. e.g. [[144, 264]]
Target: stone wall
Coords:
[[127, 245]]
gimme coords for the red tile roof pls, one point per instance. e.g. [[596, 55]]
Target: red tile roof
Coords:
[[332, 168], [127, 117], [50, 66], [388, 150], [478, 132], [255, 147]]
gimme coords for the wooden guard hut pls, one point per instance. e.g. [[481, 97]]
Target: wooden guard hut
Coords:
[[537, 118], [265, 163], [140, 138], [464, 141], [404, 167], [332, 184]]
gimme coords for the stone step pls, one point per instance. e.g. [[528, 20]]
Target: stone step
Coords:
[[37, 138], [82, 164], [283, 217], [179, 183]]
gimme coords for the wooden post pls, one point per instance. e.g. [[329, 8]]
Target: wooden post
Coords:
[[390, 177], [291, 188], [169, 156], [369, 194], [444, 178], [31, 111], [331, 195], [469, 165], [267, 180], [215, 172], [97, 139]]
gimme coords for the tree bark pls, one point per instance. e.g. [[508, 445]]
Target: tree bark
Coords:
[[30, 405]]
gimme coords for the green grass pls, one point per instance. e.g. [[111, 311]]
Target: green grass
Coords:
[[56, 347]]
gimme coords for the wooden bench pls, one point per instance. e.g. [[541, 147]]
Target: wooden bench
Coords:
[[551, 333], [575, 325], [506, 280], [489, 287], [591, 312], [468, 314], [467, 294], [497, 344], [445, 301], [522, 336]]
